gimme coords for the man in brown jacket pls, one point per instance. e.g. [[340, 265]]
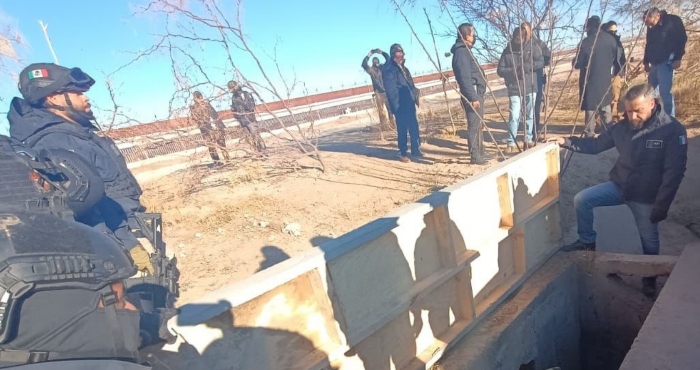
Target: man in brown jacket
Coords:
[[375, 72]]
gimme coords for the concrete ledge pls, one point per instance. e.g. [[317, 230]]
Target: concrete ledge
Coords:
[[670, 336], [634, 264]]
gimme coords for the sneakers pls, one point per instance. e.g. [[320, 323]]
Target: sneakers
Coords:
[[649, 286], [417, 154], [578, 246]]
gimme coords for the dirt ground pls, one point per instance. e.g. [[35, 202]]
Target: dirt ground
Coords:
[[226, 223]]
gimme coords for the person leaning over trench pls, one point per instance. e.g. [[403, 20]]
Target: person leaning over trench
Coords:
[[653, 154]]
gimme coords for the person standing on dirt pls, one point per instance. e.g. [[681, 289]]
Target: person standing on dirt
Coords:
[[472, 87], [375, 73], [55, 114], [205, 117], [517, 66], [596, 58], [403, 97], [619, 70], [652, 162], [243, 107], [541, 77], [665, 47]]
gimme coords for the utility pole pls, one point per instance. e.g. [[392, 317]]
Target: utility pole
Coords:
[[44, 28]]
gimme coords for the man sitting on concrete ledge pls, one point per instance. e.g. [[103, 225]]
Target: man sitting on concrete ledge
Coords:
[[653, 153]]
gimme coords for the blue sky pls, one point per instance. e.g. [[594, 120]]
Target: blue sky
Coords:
[[321, 42]]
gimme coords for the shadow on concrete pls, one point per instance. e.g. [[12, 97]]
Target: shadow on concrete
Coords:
[[345, 285], [273, 255], [237, 347]]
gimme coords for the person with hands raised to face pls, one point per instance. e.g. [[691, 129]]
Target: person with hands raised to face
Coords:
[[375, 73], [653, 154]]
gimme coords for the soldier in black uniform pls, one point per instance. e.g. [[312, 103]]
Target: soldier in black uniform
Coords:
[[64, 304], [653, 154], [243, 107], [55, 114]]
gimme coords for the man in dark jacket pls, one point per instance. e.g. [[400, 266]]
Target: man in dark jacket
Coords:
[[596, 56], [665, 47], [653, 154], [375, 73], [243, 107], [619, 70], [55, 114], [472, 86], [541, 76], [205, 117], [403, 96], [517, 66]]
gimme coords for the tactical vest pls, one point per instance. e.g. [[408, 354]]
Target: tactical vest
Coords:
[[22, 185], [125, 185]]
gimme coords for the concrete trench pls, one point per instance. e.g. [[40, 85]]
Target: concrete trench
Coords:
[[569, 316]]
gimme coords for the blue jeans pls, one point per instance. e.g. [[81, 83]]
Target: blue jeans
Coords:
[[407, 125], [661, 79], [515, 102], [610, 194]]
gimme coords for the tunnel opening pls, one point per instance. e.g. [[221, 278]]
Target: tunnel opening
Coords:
[[569, 315]]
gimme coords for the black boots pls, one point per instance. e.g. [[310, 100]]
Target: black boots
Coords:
[[578, 246]]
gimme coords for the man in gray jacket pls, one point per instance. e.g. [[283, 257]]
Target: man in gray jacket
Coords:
[[472, 86]]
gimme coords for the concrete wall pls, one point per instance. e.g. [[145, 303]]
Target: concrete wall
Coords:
[[670, 336], [392, 294], [540, 325]]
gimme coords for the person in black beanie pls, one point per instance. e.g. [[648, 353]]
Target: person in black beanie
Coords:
[[403, 97]]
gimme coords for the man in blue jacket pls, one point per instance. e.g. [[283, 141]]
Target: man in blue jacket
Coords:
[[55, 114], [402, 95], [653, 154], [472, 86]]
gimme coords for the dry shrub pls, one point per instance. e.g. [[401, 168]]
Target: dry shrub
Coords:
[[686, 85]]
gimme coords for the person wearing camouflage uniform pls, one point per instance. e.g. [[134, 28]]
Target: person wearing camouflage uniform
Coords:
[[386, 119], [243, 107], [213, 131]]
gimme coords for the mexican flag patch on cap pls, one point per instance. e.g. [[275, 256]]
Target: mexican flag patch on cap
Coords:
[[38, 73]]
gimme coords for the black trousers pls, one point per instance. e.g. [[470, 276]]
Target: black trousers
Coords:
[[475, 135]]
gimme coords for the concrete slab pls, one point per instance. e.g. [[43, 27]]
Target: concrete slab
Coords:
[[617, 230], [670, 335]]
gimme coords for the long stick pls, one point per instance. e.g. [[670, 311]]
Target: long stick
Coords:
[[44, 28], [437, 58]]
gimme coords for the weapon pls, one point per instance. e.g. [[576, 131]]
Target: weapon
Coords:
[[155, 295]]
